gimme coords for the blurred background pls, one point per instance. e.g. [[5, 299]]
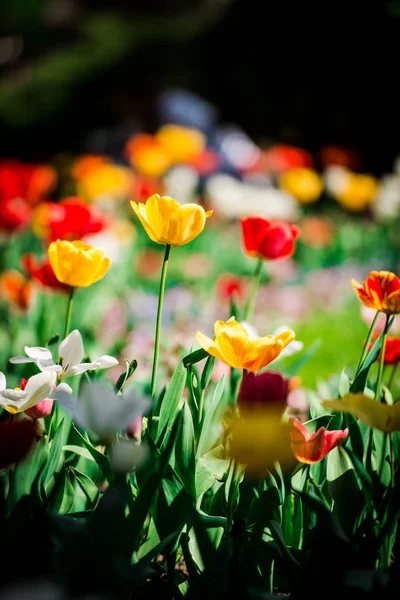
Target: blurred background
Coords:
[[82, 75], [288, 110]]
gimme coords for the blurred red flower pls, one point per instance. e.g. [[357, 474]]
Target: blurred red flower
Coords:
[[266, 390], [229, 286], [283, 157], [70, 220], [268, 240], [16, 440], [30, 182], [15, 213], [42, 272]]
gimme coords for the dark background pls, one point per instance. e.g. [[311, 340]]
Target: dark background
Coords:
[[84, 75]]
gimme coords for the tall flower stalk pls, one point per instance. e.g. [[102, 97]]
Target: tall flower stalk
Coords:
[[69, 312], [159, 318]]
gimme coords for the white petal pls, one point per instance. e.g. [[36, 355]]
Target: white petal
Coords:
[[14, 395], [57, 369], [64, 388], [71, 351], [18, 360], [2, 381], [38, 353], [39, 387], [104, 362], [14, 401]]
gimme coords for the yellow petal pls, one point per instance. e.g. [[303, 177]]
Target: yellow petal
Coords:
[[370, 412], [209, 345], [140, 212]]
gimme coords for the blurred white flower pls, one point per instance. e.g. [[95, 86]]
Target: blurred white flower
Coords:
[[181, 183], [126, 455], [233, 198], [70, 354], [336, 179], [387, 203], [100, 410]]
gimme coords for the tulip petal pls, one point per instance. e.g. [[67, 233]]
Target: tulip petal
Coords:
[[209, 345], [71, 351], [2, 381], [370, 412]]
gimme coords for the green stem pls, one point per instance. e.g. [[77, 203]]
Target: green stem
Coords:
[[232, 487], [159, 315], [200, 413], [381, 362], [391, 455], [392, 376], [367, 342], [306, 512], [69, 312], [253, 291]]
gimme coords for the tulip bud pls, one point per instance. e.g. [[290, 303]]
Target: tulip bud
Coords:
[[40, 410], [267, 390]]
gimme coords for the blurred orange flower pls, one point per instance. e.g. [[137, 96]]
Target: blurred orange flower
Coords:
[[147, 155], [317, 232], [182, 144], [86, 164], [17, 290]]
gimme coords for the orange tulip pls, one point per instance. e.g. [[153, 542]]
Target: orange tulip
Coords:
[[17, 290], [311, 448], [381, 291]]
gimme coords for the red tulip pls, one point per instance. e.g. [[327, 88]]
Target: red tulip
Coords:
[[16, 440], [267, 390], [392, 349], [69, 220], [42, 272], [282, 157], [268, 240], [311, 448]]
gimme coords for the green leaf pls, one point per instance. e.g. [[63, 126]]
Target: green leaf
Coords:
[[277, 534], [185, 451], [63, 497], [343, 487], [56, 459], [211, 423], [360, 380], [81, 451], [102, 461], [194, 357], [88, 486], [130, 368], [207, 372], [344, 384], [171, 401], [26, 473]]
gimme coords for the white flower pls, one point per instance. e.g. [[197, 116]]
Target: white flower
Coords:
[[181, 182], [70, 354], [100, 410], [38, 388]]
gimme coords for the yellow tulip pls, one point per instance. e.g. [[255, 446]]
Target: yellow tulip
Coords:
[[370, 412], [183, 144], [304, 184], [167, 222], [236, 347], [77, 264]]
